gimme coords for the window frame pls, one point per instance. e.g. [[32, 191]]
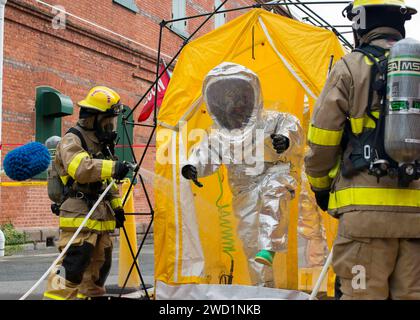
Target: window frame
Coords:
[[127, 4], [219, 17], [179, 10]]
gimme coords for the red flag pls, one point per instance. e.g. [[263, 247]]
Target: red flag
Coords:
[[150, 98]]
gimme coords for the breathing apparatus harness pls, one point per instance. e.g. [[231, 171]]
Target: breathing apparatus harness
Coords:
[[68, 191], [367, 150]]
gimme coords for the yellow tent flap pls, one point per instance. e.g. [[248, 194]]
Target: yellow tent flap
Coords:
[[195, 229]]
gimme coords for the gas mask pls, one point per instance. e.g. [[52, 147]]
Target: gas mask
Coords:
[[106, 128]]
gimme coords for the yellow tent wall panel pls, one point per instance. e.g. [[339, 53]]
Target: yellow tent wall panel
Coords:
[[195, 229]]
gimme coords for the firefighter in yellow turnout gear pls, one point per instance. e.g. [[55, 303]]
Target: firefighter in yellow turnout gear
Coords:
[[377, 252], [85, 166]]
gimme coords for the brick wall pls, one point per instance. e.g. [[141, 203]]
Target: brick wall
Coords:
[[72, 61]]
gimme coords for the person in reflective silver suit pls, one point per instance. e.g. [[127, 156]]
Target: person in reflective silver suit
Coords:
[[262, 151]]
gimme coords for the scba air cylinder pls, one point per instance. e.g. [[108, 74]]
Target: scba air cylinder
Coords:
[[402, 124]]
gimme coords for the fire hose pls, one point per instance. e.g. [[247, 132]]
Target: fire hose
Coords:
[[322, 276], [63, 252]]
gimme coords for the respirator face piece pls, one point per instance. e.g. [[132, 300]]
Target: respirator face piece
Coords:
[[106, 128], [108, 124]]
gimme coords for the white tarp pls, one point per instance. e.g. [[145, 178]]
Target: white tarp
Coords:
[[224, 292]]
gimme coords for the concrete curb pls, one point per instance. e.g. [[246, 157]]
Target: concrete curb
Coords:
[[41, 238]]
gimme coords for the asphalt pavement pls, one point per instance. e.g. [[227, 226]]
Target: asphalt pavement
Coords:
[[20, 272]]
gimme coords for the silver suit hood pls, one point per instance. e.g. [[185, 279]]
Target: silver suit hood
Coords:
[[232, 94]]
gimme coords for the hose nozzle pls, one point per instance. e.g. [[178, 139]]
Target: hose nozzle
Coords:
[[133, 166]]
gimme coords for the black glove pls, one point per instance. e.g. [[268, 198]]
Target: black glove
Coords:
[[119, 217], [322, 199], [189, 172], [280, 143], [121, 170]]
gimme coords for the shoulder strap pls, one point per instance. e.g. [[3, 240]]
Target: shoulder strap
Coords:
[[378, 56], [71, 181], [80, 136], [376, 51]]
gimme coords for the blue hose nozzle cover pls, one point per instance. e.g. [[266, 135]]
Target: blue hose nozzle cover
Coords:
[[26, 162]]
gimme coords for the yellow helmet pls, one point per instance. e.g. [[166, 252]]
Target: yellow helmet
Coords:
[[398, 3], [102, 99]]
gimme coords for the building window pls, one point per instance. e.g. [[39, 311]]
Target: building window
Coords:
[[128, 4], [220, 18], [179, 10]]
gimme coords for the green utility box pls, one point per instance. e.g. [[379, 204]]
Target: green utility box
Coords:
[[50, 106], [123, 150]]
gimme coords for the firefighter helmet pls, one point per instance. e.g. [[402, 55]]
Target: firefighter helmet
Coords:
[[398, 3], [102, 99]]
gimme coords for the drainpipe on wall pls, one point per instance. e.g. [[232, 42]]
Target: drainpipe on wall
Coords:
[[2, 9], [2, 243]]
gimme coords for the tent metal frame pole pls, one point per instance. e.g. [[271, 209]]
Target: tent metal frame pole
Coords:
[[130, 247], [324, 21], [129, 142], [298, 5], [177, 54], [155, 84], [260, 5], [174, 32], [135, 256], [157, 74], [287, 7], [140, 124], [339, 35], [307, 19], [287, 4], [209, 13], [315, 17], [154, 127]]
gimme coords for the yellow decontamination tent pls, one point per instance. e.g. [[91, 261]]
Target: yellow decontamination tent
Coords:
[[197, 252]]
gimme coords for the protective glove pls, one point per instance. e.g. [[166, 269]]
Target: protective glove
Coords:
[[189, 172], [322, 199], [121, 170], [119, 217], [280, 143]]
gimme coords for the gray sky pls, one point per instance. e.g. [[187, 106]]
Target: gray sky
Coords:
[[332, 13]]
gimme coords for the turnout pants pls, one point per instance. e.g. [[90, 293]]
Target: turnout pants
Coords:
[[84, 268], [378, 269]]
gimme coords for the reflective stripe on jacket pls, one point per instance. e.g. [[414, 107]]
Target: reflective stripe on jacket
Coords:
[[91, 176]]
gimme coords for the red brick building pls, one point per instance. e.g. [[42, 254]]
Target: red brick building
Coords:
[[75, 52]]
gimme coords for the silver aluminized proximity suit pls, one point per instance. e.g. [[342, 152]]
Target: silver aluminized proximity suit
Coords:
[[262, 182], [311, 227]]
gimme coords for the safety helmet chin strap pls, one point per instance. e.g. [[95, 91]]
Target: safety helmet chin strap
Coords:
[[86, 119], [82, 124], [357, 39], [348, 12]]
